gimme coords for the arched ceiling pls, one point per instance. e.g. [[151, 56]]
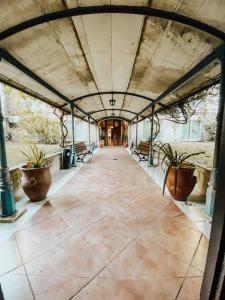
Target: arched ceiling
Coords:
[[91, 54]]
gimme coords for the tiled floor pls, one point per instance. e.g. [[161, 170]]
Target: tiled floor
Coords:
[[108, 234], [194, 208]]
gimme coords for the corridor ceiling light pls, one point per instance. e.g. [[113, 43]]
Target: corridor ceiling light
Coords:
[[112, 101], [113, 114]]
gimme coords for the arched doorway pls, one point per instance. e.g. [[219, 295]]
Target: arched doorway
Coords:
[[113, 132]]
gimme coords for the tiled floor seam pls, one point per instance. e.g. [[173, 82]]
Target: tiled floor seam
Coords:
[[189, 268], [149, 176], [107, 264], [80, 166], [11, 270], [83, 287], [131, 241], [28, 279]]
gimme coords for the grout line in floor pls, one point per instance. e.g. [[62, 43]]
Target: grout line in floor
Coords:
[[147, 171], [28, 279], [189, 267]]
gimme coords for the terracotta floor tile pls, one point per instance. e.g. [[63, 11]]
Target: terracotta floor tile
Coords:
[[201, 254], [81, 217], [72, 258], [38, 238], [108, 234], [45, 212], [127, 289], [10, 256], [16, 287], [108, 237], [190, 289], [139, 260], [55, 288], [181, 233], [68, 200]]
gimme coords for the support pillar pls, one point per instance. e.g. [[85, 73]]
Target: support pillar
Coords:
[[136, 132], [129, 135], [73, 158], [7, 197], [211, 190], [211, 286], [150, 156], [96, 146], [89, 132]]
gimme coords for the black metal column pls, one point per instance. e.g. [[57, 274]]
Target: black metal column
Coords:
[[89, 132], [216, 250], [6, 191], [136, 132], [73, 159], [150, 156]]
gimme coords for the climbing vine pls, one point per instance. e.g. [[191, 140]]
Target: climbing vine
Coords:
[[180, 113], [64, 131]]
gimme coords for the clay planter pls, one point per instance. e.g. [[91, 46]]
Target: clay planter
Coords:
[[36, 182], [185, 183]]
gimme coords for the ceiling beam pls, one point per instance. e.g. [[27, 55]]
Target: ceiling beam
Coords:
[[188, 76], [123, 9], [111, 109], [5, 55], [112, 93], [113, 118]]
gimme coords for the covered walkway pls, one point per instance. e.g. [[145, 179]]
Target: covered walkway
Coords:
[[107, 234]]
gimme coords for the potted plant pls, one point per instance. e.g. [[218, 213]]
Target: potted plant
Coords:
[[179, 176], [36, 177]]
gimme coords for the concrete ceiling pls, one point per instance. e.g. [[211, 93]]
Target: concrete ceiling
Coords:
[[109, 52]]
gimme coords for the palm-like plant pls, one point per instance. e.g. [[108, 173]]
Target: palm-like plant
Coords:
[[36, 158], [171, 158]]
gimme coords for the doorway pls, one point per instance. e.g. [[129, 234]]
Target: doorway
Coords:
[[113, 132]]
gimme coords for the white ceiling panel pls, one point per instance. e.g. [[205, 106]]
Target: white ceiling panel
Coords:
[[104, 52]]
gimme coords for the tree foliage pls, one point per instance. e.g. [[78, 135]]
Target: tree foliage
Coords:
[[38, 126]]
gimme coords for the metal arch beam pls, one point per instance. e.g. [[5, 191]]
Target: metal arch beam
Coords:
[[188, 76], [113, 118], [112, 93], [5, 55], [124, 9], [111, 109]]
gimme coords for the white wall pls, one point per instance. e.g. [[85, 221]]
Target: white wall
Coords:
[[82, 131], [144, 131]]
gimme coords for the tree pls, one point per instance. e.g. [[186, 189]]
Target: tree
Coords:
[[37, 125]]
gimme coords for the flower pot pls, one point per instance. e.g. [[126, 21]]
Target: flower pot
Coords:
[[185, 183], [36, 182]]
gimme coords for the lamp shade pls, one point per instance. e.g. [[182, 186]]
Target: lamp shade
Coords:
[[112, 102]]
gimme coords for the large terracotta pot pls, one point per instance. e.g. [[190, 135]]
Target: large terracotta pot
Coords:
[[185, 183], [36, 182]]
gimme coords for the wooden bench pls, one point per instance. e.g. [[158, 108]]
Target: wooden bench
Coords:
[[142, 151], [82, 150]]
